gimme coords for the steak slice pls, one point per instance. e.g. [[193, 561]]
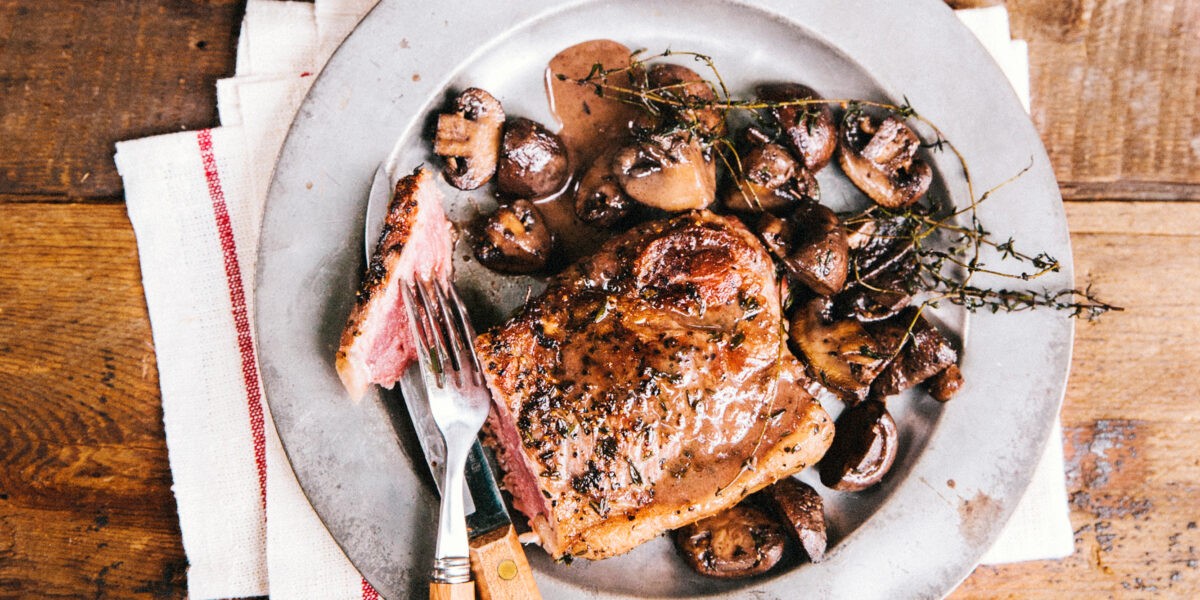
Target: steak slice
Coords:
[[416, 240], [648, 387]]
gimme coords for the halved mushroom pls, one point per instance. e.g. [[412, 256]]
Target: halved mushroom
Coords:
[[514, 239], [799, 506], [770, 180], [925, 353], [685, 85], [599, 200], [812, 245], [880, 296], [840, 354], [808, 129], [880, 244], [469, 139], [672, 172], [533, 160], [736, 543], [881, 160], [865, 441]]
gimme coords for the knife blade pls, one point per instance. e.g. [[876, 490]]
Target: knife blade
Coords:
[[497, 559]]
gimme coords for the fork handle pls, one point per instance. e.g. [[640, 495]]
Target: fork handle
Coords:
[[452, 591], [500, 568]]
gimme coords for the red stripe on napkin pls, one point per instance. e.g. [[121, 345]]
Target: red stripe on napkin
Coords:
[[369, 592], [237, 298]]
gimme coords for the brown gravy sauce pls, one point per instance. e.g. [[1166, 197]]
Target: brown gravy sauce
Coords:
[[591, 125]]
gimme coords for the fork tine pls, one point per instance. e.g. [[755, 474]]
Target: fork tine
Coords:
[[453, 330], [433, 322], [416, 328], [464, 325]]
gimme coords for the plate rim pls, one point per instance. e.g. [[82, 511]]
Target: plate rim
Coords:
[[934, 10]]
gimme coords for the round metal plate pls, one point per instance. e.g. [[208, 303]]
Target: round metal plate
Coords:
[[915, 536]]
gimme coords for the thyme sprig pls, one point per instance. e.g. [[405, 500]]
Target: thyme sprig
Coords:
[[945, 269]]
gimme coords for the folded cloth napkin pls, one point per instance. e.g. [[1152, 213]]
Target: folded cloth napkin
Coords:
[[195, 202]]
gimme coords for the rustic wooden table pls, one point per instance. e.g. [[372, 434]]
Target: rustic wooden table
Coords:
[[85, 501]]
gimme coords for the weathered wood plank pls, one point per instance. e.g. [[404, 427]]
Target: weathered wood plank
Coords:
[[1115, 88], [1116, 94], [1130, 415], [85, 500], [76, 76], [101, 553]]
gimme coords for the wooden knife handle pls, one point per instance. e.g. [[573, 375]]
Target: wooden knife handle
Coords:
[[452, 591], [500, 569]]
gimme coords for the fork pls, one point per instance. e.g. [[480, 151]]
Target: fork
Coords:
[[459, 403]]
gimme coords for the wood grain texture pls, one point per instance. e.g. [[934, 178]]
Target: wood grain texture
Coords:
[[76, 76], [85, 501], [452, 591], [500, 568], [1130, 417], [1116, 94]]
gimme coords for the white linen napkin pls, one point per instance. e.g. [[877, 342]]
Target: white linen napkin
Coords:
[[195, 202]]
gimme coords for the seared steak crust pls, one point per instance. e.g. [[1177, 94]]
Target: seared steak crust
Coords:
[[416, 240], [648, 387]]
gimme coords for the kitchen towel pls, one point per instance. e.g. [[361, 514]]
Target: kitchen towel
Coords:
[[195, 202]]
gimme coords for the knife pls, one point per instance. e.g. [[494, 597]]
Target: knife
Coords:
[[498, 561]]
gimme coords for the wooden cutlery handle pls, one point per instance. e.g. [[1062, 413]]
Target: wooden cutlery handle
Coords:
[[500, 568], [452, 591]]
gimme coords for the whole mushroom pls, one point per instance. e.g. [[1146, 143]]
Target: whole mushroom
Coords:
[[672, 172], [514, 239], [770, 180], [881, 160], [812, 245], [533, 160], [685, 85], [599, 200], [469, 139], [809, 129]]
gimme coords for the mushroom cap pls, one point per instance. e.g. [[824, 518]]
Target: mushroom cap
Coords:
[[864, 447], [599, 199], [771, 180], [514, 239], [881, 161], [671, 172], [841, 353], [533, 160], [798, 505], [811, 243], [879, 297], [925, 352], [469, 139], [684, 84], [809, 130], [739, 542]]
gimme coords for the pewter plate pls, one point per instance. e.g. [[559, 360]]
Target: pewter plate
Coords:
[[914, 536]]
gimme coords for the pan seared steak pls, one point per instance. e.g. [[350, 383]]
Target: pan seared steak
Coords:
[[416, 239], [648, 387]]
